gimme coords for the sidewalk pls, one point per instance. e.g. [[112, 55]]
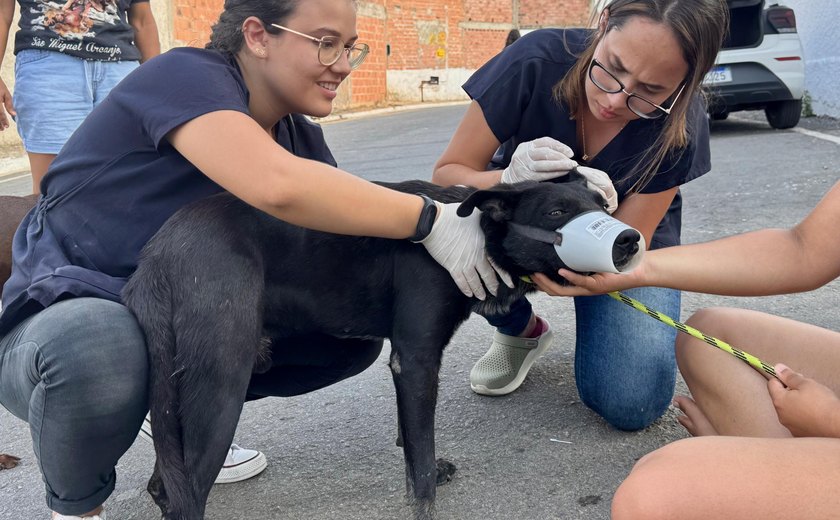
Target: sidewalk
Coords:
[[10, 166]]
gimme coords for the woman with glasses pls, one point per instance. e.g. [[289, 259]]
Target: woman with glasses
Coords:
[[624, 99], [185, 125]]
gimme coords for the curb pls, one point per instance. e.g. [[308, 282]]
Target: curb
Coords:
[[343, 116], [10, 166]]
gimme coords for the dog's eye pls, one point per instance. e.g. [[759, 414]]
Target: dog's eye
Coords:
[[557, 213]]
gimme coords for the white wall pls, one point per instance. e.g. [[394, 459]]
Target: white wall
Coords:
[[816, 21], [404, 85]]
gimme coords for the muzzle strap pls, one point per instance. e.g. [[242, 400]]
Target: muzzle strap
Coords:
[[535, 233]]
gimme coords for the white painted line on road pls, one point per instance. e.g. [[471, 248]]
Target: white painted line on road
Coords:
[[10, 179], [819, 135]]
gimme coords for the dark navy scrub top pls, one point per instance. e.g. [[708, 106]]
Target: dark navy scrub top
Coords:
[[118, 179], [514, 90]]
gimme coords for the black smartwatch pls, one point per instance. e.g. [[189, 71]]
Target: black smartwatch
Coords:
[[426, 220]]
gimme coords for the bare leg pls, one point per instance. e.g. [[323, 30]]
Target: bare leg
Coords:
[[38, 164], [732, 395], [734, 477]]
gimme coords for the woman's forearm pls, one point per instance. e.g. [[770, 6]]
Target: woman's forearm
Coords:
[[764, 262]]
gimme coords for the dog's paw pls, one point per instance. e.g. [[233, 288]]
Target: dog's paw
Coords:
[[445, 470]]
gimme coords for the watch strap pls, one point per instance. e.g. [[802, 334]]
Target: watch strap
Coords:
[[426, 220]]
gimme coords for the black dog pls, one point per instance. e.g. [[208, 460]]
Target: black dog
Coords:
[[209, 284]]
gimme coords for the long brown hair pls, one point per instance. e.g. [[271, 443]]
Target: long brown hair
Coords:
[[699, 26]]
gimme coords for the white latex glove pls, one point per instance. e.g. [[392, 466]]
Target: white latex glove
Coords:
[[599, 181], [458, 245], [538, 160]]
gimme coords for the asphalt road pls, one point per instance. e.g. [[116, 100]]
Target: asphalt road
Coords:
[[332, 454]]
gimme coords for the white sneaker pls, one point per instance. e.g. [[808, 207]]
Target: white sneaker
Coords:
[[240, 463], [100, 516]]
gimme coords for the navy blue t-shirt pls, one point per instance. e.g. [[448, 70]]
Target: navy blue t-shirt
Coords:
[[514, 90], [117, 180]]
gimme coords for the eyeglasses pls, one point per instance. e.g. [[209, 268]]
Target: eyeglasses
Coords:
[[646, 109], [331, 47]]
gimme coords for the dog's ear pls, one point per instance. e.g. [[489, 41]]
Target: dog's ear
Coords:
[[498, 203], [575, 176]]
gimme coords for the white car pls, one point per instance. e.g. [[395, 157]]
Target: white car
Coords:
[[761, 65]]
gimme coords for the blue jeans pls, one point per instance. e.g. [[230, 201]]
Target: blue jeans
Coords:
[[625, 368], [55, 92], [77, 373]]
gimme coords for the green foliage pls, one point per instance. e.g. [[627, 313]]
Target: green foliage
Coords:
[[807, 107]]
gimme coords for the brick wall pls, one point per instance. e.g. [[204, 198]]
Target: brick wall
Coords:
[[541, 13], [193, 19], [413, 38]]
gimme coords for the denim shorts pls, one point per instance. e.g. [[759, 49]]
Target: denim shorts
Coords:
[[55, 92]]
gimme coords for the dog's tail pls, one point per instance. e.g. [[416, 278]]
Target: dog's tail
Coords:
[[148, 295]]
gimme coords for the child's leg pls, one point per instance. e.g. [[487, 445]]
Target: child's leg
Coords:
[[733, 395], [734, 478]]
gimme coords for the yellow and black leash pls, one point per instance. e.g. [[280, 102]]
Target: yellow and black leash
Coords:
[[751, 360]]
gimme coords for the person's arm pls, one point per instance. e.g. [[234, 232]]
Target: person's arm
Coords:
[[145, 30], [7, 13], [764, 262], [232, 149], [470, 149], [473, 145], [240, 156]]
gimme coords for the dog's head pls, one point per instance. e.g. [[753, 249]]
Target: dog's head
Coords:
[[520, 221]]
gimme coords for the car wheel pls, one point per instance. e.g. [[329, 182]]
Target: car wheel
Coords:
[[783, 114], [719, 115]]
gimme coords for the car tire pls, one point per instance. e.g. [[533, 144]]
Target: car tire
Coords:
[[719, 115], [783, 114]]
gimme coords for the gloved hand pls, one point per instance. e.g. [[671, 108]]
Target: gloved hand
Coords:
[[599, 181], [458, 245], [538, 160]]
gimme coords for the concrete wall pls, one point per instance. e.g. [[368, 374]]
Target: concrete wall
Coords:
[[816, 21]]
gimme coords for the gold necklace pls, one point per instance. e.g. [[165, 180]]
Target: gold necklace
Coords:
[[585, 156], [583, 137]]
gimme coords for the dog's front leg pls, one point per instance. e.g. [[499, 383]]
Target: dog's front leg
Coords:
[[415, 375]]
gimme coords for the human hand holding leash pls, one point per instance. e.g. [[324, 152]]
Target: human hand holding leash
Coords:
[[806, 407], [457, 244]]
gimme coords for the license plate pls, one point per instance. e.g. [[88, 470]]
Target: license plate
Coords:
[[719, 74]]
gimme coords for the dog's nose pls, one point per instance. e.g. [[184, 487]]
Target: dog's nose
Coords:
[[625, 246]]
